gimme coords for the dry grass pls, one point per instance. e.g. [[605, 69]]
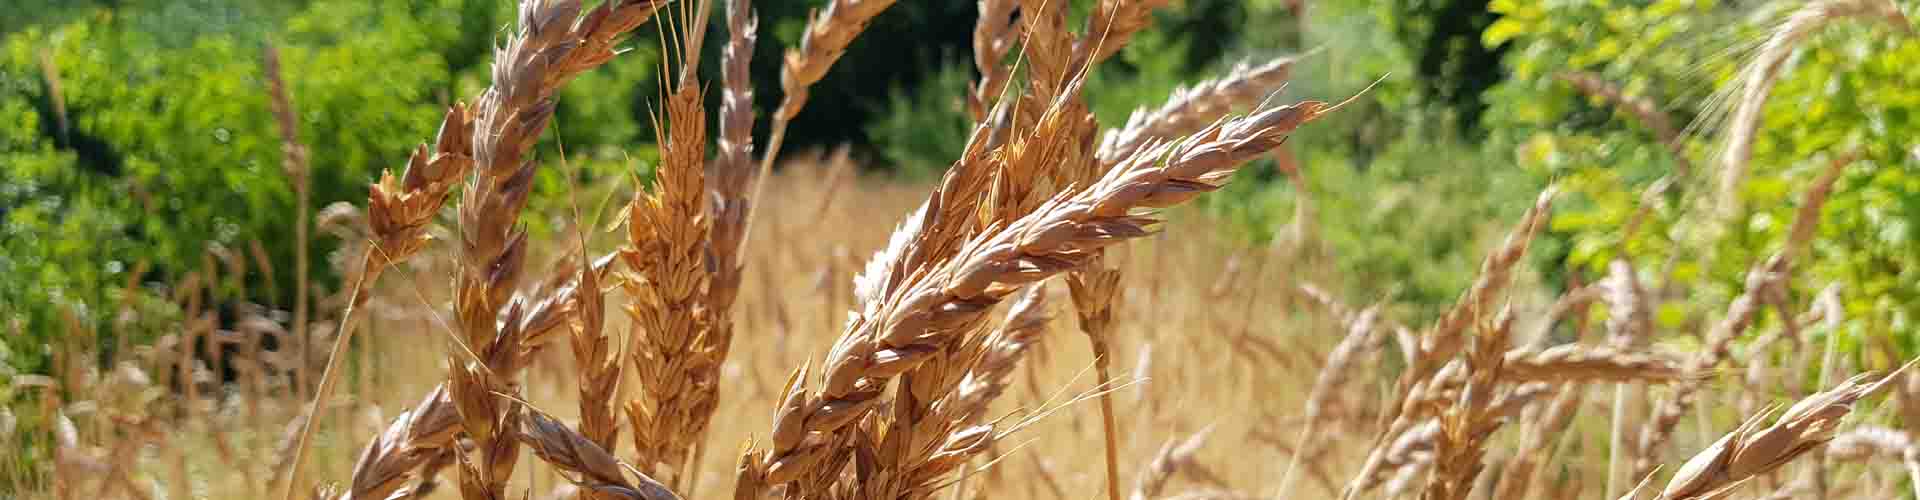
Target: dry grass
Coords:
[[1209, 372], [906, 385]]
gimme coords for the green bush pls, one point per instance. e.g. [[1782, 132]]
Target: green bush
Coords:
[[1850, 88], [1391, 165], [162, 143], [922, 131]]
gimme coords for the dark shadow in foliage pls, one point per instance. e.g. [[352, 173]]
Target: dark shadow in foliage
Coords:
[[1455, 68]]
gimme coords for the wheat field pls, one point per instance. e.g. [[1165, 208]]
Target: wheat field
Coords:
[[1044, 321]]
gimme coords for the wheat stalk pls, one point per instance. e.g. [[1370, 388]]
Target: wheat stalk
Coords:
[[399, 210], [674, 353], [1176, 456], [933, 308], [992, 39], [1334, 374], [826, 38], [1433, 351], [1093, 288], [1192, 107], [938, 422], [595, 469], [1757, 78], [1110, 26], [1754, 448], [294, 162], [1741, 312]]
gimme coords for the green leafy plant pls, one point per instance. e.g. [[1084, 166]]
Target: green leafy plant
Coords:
[[1844, 94]]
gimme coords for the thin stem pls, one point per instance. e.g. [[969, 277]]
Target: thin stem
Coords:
[[778, 137], [1293, 460], [1101, 359], [371, 271]]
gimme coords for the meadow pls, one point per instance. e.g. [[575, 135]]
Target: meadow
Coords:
[[1058, 314]]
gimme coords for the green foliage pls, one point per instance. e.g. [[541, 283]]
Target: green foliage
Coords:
[[162, 144], [922, 125], [1452, 66], [1850, 88], [1391, 166], [1380, 169], [923, 131]]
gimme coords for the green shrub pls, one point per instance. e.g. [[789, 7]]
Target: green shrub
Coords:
[[923, 130], [162, 143], [1850, 88]]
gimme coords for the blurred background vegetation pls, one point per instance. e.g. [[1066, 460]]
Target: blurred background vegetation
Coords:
[[136, 136]]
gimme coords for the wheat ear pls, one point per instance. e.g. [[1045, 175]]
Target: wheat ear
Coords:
[[727, 182], [1755, 448], [1757, 78], [932, 307], [597, 366], [939, 413], [1641, 108], [1190, 108], [1629, 323], [420, 441], [732, 166], [1111, 25], [1175, 456], [1740, 313], [399, 210], [294, 162], [554, 43], [1333, 375], [1871, 443], [1096, 285], [1437, 345], [827, 36], [1465, 425], [674, 354], [593, 468], [992, 39], [509, 117]]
